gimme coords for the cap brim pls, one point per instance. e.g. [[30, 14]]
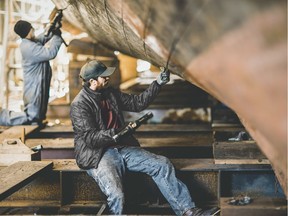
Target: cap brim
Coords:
[[108, 72]]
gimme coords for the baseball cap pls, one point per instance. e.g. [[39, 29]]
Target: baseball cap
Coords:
[[22, 28], [94, 68]]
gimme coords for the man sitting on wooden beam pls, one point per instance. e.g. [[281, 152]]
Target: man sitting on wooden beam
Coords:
[[96, 114]]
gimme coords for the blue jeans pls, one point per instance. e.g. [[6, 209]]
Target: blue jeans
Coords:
[[114, 163], [10, 118]]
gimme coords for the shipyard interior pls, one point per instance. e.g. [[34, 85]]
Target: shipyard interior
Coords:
[[204, 84]]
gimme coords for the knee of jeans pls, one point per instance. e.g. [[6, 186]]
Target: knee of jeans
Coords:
[[165, 162], [165, 165]]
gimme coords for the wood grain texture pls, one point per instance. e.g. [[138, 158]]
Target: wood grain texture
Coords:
[[19, 174]]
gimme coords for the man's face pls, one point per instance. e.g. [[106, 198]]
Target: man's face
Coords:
[[99, 83], [103, 82], [31, 34]]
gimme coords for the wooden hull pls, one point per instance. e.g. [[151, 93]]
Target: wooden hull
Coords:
[[235, 50]]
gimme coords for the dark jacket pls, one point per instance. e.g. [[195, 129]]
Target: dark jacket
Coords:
[[91, 135]]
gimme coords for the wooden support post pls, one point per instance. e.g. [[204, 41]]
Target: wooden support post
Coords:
[[23, 135]]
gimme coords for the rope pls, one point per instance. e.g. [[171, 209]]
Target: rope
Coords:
[[183, 30]]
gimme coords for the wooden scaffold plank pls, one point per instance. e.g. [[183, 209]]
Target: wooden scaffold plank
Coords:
[[17, 175]]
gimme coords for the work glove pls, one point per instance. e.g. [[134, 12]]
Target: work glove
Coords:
[[58, 25], [163, 77], [122, 132]]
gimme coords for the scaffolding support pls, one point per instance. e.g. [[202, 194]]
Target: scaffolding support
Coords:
[[4, 46]]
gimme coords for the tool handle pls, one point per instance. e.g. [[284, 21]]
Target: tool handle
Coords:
[[132, 126], [57, 18]]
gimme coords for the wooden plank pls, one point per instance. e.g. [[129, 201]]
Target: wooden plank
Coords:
[[15, 132], [180, 164], [237, 150], [57, 129], [14, 146], [74, 204], [13, 150], [29, 203], [143, 128], [58, 143], [173, 142], [3, 128], [66, 165], [17, 175], [48, 203], [68, 143], [258, 207], [220, 126], [175, 127], [209, 165], [242, 161]]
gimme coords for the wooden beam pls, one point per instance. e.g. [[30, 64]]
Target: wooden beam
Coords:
[[69, 165], [17, 175], [173, 142], [237, 150], [143, 128], [242, 161], [16, 132], [13, 150], [242, 152], [68, 143], [221, 126], [58, 143]]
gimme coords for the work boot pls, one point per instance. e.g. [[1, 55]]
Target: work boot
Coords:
[[200, 212]]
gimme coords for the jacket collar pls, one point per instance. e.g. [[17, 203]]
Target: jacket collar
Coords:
[[97, 95]]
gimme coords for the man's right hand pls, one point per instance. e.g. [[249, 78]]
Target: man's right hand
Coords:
[[123, 131], [163, 77]]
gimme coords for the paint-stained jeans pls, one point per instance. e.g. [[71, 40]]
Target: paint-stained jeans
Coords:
[[10, 118], [114, 163]]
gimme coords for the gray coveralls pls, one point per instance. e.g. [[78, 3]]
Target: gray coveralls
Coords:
[[37, 77]]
